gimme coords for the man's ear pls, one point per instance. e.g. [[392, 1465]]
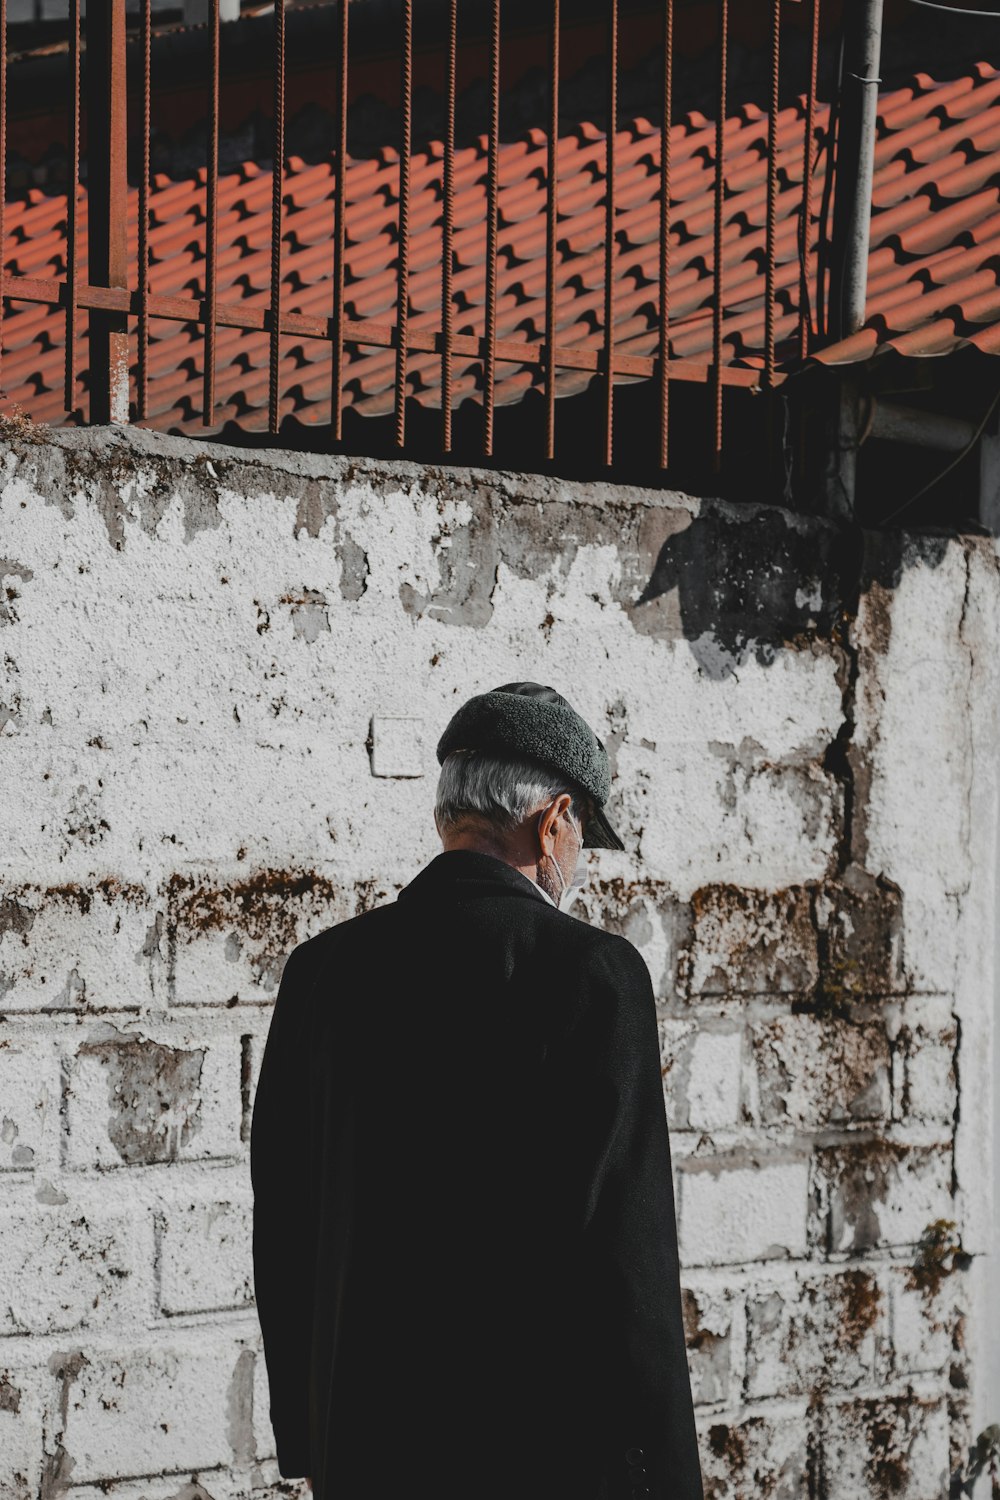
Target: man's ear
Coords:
[[549, 818]]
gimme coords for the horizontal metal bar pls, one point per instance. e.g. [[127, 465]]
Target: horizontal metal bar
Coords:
[[924, 429], [368, 331]]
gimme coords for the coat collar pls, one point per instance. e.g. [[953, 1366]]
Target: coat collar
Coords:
[[468, 874]]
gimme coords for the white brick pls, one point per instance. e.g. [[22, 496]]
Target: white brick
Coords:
[[752, 942], [29, 1104], [78, 948], [720, 819], [923, 1322], [62, 1270], [811, 1071], [21, 1435], [749, 1457], [733, 1210], [205, 1257], [890, 1445], [701, 1073], [878, 1193], [153, 1409], [925, 1041], [813, 1333], [713, 1332], [137, 1101], [263, 1431]]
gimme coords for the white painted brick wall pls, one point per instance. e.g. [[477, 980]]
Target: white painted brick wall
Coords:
[[205, 1257], [62, 1270], [134, 1099], [169, 1409], [808, 1333], [21, 1424], [761, 1454], [223, 741], [812, 1073], [740, 1209], [876, 1197], [895, 1445], [702, 1073], [29, 1102]]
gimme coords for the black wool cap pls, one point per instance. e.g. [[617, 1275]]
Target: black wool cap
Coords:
[[524, 718]]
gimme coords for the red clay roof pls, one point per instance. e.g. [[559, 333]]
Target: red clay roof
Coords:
[[933, 283]]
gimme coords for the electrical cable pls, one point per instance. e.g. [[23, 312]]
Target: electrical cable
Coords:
[[831, 143], [957, 10]]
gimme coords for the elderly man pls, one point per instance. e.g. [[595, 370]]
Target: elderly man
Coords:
[[465, 1250]]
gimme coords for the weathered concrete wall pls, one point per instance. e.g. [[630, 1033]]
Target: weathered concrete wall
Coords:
[[224, 676]]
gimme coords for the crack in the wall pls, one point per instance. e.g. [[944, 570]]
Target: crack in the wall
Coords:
[[959, 895]]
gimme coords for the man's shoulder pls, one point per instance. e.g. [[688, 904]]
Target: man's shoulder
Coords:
[[594, 950], [587, 949], [317, 950], [614, 954]]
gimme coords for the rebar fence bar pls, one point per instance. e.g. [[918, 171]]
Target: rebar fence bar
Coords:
[[113, 286]]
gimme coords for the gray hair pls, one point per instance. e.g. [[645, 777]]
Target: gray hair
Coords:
[[502, 789]]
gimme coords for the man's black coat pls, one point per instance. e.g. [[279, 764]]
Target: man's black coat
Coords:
[[464, 1246]]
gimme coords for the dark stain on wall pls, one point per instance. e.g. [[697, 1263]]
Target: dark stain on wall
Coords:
[[59, 1465], [859, 927], [826, 944], [257, 903], [860, 1302], [9, 593], [153, 1095], [751, 585], [15, 917], [855, 1179], [467, 557]]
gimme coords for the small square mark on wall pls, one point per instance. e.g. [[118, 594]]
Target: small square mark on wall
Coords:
[[396, 746]]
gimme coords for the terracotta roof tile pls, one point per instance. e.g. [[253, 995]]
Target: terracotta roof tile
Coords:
[[933, 282]]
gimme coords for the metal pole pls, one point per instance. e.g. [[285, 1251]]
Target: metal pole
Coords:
[[852, 228], [855, 165], [107, 197], [921, 429]]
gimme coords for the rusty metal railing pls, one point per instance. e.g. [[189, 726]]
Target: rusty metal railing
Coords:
[[117, 288]]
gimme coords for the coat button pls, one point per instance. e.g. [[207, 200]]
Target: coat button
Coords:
[[633, 1455], [636, 1473]]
